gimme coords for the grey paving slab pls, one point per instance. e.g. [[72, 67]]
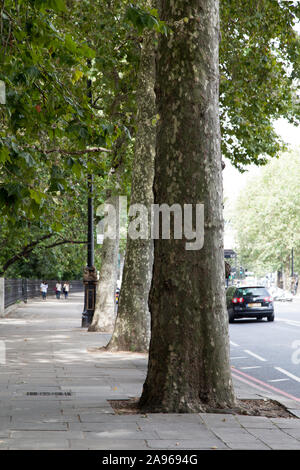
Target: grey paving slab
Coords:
[[4, 422], [34, 415], [284, 423], [39, 399], [110, 418], [119, 435], [108, 444], [250, 422], [186, 444], [249, 445], [239, 438], [5, 412], [121, 432], [31, 387], [169, 431], [293, 432], [290, 404], [49, 352], [220, 420], [40, 407], [87, 427], [86, 405], [295, 412], [276, 439], [52, 419], [174, 417], [93, 390], [38, 426], [37, 444], [46, 434]]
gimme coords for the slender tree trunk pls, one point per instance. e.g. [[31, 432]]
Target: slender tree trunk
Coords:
[[286, 274], [105, 309], [189, 350], [132, 329]]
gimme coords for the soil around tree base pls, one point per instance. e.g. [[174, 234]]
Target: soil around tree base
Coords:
[[255, 407]]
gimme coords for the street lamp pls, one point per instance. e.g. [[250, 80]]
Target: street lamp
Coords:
[[89, 273]]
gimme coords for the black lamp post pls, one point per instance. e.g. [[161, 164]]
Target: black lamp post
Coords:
[[90, 273]]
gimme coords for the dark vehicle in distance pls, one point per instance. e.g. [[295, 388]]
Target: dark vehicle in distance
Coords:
[[249, 302]]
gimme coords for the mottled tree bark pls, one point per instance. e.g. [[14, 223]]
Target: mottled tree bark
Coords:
[[286, 274], [105, 311], [132, 329], [189, 349]]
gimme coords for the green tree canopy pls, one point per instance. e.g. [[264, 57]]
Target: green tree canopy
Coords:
[[70, 70], [267, 216]]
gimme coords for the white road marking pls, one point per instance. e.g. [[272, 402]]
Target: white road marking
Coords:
[[239, 357], [289, 321], [255, 355], [250, 367], [233, 344], [289, 374], [279, 380]]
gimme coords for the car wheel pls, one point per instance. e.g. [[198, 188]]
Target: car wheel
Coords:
[[271, 317], [231, 317]]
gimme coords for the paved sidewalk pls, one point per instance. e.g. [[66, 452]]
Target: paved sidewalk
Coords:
[[54, 392]]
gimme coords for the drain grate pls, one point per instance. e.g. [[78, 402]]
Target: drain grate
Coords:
[[60, 394]]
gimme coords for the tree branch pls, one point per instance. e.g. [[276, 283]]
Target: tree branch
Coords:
[[75, 242], [27, 250], [24, 253], [70, 152]]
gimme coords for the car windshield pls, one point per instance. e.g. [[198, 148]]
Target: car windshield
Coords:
[[252, 291]]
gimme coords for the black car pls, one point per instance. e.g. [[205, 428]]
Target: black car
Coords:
[[249, 302]]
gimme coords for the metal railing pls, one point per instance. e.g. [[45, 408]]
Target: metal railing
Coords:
[[22, 289]]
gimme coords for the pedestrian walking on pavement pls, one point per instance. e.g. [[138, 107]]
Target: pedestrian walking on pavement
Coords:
[[58, 289], [44, 289], [66, 289]]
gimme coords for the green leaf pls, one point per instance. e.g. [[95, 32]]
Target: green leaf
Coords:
[[4, 154], [77, 75], [57, 227], [30, 161], [143, 19], [56, 5], [77, 169], [70, 44], [87, 51], [37, 196]]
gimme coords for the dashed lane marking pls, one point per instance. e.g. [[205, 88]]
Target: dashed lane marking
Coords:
[[279, 380], [289, 374], [255, 355], [288, 321], [250, 367]]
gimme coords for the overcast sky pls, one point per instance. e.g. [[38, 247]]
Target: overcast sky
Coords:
[[234, 181]]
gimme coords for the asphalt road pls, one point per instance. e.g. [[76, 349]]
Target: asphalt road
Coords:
[[267, 354]]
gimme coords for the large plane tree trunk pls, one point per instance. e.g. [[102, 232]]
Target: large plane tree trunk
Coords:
[[189, 349], [132, 329], [105, 308]]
